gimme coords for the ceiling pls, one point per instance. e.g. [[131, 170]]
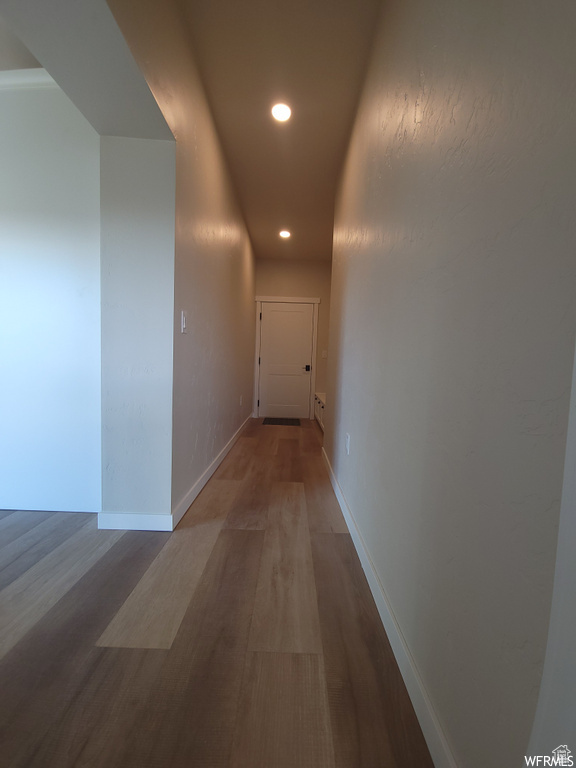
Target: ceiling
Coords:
[[13, 52], [310, 54]]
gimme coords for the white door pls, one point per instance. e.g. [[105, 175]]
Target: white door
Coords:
[[286, 335]]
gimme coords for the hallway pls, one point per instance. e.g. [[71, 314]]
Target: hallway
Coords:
[[142, 198], [248, 637]]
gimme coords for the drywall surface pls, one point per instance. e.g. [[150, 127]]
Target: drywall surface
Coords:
[[49, 300], [452, 329], [137, 264], [214, 271], [306, 279]]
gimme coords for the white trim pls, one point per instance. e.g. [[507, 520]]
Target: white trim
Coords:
[[288, 300], [184, 504], [127, 521], [314, 360], [255, 403], [16, 79], [440, 751]]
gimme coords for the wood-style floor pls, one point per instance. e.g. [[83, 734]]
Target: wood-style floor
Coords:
[[248, 638]]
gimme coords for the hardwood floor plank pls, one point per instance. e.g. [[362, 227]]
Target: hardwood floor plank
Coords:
[[285, 612], [236, 463], [28, 598], [190, 715], [275, 655], [93, 725], [213, 503], [324, 513], [152, 614], [250, 507], [311, 438], [267, 441], [43, 676], [24, 552], [253, 428], [373, 722], [283, 717], [224, 599], [288, 464], [19, 523], [288, 447]]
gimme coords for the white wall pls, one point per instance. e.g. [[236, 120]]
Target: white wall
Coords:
[[309, 279], [214, 273], [452, 337], [49, 300], [137, 267]]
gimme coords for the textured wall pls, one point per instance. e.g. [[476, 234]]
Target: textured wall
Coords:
[[452, 338], [214, 271], [49, 302], [309, 279]]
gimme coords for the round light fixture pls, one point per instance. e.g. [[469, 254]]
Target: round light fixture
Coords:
[[285, 234], [281, 112]]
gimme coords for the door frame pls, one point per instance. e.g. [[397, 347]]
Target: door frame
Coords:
[[285, 300]]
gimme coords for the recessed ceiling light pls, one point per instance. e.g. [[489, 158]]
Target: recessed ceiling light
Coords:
[[284, 233], [281, 112]]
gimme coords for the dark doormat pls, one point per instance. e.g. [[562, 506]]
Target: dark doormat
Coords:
[[281, 422]]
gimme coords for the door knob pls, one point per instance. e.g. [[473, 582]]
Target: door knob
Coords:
[[306, 368]]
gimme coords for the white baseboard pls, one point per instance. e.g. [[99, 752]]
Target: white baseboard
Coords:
[[435, 739], [126, 521], [184, 504]]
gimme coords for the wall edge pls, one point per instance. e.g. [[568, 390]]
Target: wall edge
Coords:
[[19, 79]]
